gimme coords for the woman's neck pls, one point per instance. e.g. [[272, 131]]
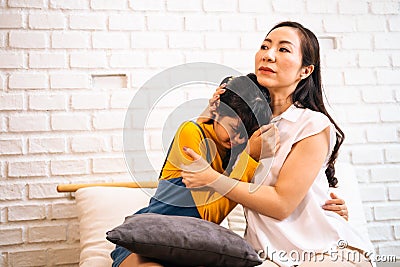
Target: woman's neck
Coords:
[[281, 99], [280, 104]]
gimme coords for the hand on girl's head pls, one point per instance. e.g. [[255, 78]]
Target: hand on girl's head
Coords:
[[213, 103]]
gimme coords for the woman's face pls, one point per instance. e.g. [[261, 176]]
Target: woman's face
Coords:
[[278, 62], [227, 131]]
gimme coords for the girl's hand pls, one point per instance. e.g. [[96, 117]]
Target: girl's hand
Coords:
[[264, 142], [337, 205], [199, 173]]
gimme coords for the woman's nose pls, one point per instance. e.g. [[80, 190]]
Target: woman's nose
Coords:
[[269, 55]]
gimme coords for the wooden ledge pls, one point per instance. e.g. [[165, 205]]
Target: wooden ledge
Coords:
[[74, 187]]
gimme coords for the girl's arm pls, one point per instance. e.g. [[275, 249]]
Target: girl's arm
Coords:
[[279, 201]]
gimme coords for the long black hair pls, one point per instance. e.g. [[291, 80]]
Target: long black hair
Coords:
[[308, 93], [242, 99]]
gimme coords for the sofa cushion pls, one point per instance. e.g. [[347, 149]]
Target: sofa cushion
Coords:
[[349, 190], [101, 209], [183, 241]]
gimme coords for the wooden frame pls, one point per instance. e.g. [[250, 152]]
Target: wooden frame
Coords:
[[65, 188]]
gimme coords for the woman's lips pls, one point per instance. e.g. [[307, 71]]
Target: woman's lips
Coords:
[[266, 70]]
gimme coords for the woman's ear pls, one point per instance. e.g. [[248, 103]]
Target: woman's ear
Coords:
[[306, 71]]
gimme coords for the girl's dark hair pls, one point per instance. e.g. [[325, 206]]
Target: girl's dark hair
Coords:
[[242, 99], [308, 93]]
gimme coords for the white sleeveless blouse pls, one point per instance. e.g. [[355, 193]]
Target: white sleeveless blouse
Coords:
[[309, 227]]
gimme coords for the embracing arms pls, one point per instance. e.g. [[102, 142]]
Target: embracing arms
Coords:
[[279, 201], [268, 138]]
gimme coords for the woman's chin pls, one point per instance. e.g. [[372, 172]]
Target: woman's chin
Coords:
[[263, 80]]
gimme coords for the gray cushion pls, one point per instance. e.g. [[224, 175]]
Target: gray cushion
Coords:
[[183, 241]]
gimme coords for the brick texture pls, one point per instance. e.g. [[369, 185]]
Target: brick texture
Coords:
[[70, 69]]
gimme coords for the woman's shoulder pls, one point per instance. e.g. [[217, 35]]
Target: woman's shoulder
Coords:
[[311, 115], [310, 123]]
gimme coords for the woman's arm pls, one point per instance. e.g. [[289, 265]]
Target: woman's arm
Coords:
[[279, 201]]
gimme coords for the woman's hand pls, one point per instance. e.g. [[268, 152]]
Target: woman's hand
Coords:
[[264, 142], [213, 103], [199, 173], [337, 205]]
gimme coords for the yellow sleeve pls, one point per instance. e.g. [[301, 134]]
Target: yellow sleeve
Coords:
[[244, 168], [188, 135], [218, 206]]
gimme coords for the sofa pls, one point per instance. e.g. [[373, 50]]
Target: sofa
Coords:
[[101, 208]]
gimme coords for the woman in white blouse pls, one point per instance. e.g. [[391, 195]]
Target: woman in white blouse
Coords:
[[283, 204]]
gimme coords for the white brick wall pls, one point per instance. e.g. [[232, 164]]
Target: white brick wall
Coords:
[[11, 236], [11, 101], [72, 39], [88, 144], [88, 21], [28, 81], [47, 21], [31, 168], [47, 60], [127, 22], [380, 233], [11, 60], [46, 145], [58, 124], [12, 191], [43, 190], [69, 167], [11, 21], [26, 213], [28, 39]]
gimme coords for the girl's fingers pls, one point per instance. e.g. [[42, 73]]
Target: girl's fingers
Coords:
[[333, 195], [334, 202], [332, 207], [256, 134], [265, 128], [277, 146]]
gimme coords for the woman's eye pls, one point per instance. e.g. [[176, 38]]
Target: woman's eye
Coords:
[[283, 49], [263, 47]]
